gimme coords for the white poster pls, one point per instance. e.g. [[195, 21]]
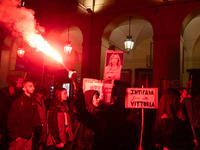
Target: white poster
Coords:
[[141, 98]]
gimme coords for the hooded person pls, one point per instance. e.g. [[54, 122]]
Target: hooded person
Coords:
[[91, 105], [89, 133]]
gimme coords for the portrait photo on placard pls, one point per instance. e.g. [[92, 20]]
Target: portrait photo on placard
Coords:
[[113, 65]]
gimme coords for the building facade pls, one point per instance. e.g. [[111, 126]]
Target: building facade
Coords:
[[166, 36]]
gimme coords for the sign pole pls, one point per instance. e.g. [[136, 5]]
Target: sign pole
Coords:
[[141, 136], [141, 98], [142, 127]]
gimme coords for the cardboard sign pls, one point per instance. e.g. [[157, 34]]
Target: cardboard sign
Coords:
[[104, 89], [19, 82], [107, 90], [141, 98], [95, 86]]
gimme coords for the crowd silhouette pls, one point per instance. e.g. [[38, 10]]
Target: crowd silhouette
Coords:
[[31, 120]]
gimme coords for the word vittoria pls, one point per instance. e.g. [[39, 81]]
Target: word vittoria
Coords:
[[142, 104]]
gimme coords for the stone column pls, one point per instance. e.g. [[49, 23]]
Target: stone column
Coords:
[[85, 66], [166, 58], [95, 60], [90, 67]]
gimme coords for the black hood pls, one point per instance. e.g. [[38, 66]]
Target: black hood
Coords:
[[88, 99]]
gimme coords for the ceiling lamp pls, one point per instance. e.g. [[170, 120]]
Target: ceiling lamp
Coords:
[[68, 47], [128, 43], [20, 51]]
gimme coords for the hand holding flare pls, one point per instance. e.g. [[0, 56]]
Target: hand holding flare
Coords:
[[73, 77]]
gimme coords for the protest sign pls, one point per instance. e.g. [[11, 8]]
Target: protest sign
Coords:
[[107, 90], [113, 65], [19, 82], [141, 98], [104, 89]]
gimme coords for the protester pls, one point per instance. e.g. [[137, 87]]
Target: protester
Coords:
[[184, 94], [59, 125], [40, 136], [92, 116], [47, 100], [132, 129], [7, 98], [170, 128], [21, 118], [196, 114]]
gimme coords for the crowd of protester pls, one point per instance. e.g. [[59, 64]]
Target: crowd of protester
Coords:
[[31, 120]]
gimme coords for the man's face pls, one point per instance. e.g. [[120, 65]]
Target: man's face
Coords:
[[184, 94], [11, 90], [29, 88], [96, 99]]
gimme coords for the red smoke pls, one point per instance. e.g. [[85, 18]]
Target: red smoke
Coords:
[[21, 22]]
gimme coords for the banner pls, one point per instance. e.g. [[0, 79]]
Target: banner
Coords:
[[141, 98]]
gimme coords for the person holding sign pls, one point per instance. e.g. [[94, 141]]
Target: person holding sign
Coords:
[[113, 70], [170, 128]]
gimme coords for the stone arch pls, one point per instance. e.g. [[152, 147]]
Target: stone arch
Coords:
[[190, 33], [116, 31], [58, 37]]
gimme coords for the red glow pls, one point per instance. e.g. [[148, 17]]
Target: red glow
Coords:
[[37, 41], [67, 48], [20, 52]]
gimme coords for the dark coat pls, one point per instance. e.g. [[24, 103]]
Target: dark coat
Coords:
[[5, 104], [89, 133], [56, 124], [99, 128], [21, 118]]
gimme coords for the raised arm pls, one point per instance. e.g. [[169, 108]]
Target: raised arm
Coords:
[[82, 114], [73, 77]]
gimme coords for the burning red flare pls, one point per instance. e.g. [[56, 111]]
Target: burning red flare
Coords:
[[37, 41], [20, 21]]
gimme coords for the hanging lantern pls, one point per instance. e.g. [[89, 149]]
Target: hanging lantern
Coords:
[[128, 43], [20, 51], [67, 48]]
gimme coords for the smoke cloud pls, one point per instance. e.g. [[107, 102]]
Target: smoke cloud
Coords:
[[19, 21]]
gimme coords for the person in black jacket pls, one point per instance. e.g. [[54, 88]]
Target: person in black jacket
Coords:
[[5, 104], [21, 118], [91, 116], [170, 127]]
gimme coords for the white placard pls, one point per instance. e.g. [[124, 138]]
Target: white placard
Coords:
[[141, 98]]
